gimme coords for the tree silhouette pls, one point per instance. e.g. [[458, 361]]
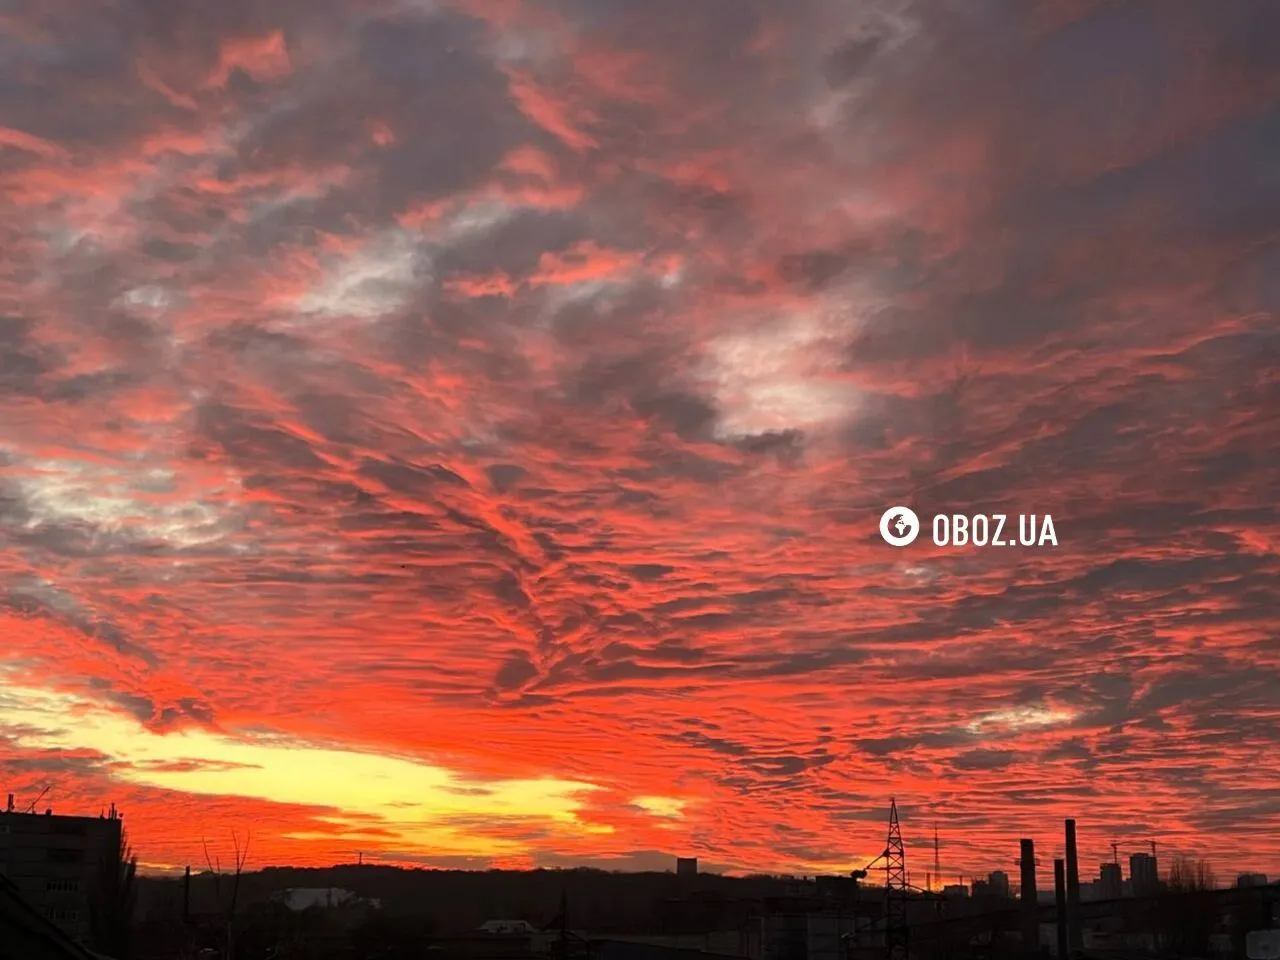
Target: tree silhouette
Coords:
[[1186, 912], [111, 908], [229, 907], [1187, 875]]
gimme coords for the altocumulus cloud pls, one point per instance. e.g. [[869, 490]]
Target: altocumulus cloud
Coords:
[[463, 427]]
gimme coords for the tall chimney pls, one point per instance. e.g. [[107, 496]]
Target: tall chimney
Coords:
[[1060, 898], [1075, 934], [9, 809], [1030, 904], [186, 894]]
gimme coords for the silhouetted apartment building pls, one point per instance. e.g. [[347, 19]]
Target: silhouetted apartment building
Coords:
[[57, 863], [1251, 880], [1110, 881], [999, 883], [1144, 879], [686, 866]]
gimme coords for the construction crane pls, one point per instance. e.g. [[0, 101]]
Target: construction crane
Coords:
[[1146, 843]]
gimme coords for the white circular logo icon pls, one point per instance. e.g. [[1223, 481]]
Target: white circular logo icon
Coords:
[[899, 526]]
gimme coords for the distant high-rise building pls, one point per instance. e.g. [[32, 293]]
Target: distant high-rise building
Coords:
[[981, 890], [1144, 877], [686, 866], [999, 883], [955, 891], [1110, 881], [1251, 880]]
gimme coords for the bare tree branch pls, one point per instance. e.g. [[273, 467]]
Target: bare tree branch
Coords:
[[241, 855]]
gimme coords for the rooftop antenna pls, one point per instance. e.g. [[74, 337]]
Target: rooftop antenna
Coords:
[[937, 866], [1115, 852], [32, 808]]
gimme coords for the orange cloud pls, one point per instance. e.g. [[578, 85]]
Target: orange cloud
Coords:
[[263, 58], [458, 446]]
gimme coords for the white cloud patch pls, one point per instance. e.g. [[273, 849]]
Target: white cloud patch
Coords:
[[135, 500], [779, 376], [382, 276], [376, 280], [149, 297], [1019, 718]]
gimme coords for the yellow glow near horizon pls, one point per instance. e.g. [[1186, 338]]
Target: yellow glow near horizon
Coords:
[[414, 800]]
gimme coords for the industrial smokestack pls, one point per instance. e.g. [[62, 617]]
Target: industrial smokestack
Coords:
[[9, 809], [1060, 898], [1075, 934], [186, 894], [1030, 904]]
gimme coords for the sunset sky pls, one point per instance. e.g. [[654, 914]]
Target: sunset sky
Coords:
[[456, 431]]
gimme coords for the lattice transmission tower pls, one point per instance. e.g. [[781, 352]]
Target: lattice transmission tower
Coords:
[[895, 890]]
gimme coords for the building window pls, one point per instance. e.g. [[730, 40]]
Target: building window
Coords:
[[61, 913], [65, 855], [67, 827], [62, 886]]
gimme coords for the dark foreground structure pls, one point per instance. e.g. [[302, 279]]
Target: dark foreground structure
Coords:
[[62, 866], [833, 918], [368, 912], [26, 934]]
